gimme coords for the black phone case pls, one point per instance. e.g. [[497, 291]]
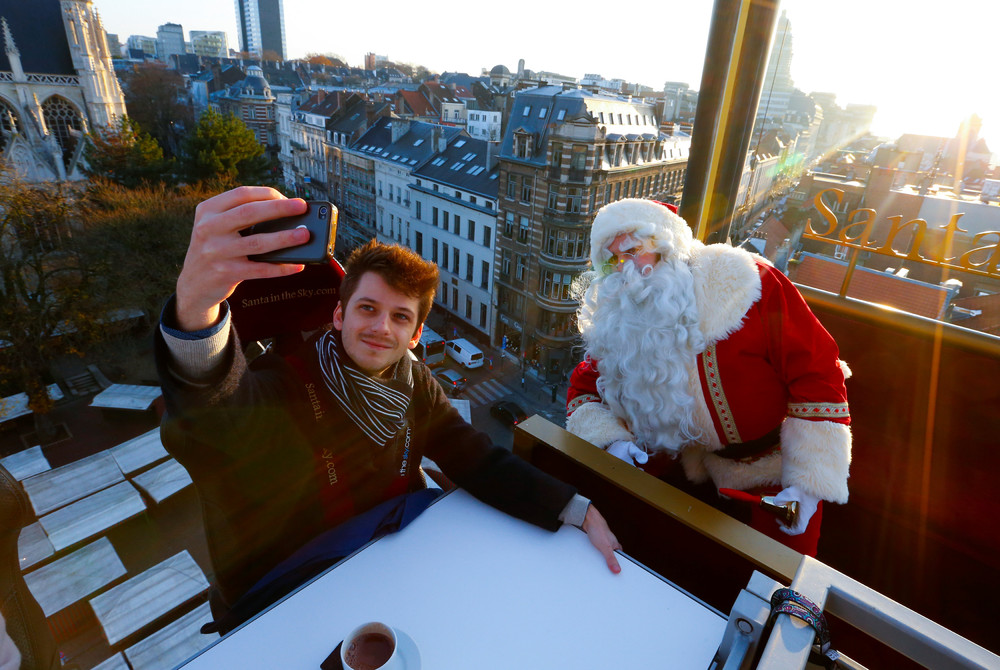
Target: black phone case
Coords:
[[320, 219]]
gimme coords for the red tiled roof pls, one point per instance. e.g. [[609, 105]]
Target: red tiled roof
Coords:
[[989, 320], [417, 103], [876, 287], [775, 233]]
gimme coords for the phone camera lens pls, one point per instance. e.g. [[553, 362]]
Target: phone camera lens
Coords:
[[322, 211]]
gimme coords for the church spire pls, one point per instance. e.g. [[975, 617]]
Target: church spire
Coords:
[[8, 39]]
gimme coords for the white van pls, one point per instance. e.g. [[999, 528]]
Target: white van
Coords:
[[465, 353]]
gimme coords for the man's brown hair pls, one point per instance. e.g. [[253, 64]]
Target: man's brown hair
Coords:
[[399, 267]]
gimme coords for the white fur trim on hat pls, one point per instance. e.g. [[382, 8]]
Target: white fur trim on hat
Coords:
[[669, 232], [816, 456], [597, 424]]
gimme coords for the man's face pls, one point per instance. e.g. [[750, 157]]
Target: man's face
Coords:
[[627, 247], [378, 324]]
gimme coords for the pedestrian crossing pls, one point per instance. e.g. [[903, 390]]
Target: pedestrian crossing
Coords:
[[486, 392]]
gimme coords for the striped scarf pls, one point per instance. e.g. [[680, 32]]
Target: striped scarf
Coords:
[[376, 406]]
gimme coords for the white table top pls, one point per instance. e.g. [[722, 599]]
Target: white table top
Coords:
[[163, 481], [55, 488], [126, 396], [139, 452], [74, 577], [26, 463], [16, 405], [476, 588], [92, 515]]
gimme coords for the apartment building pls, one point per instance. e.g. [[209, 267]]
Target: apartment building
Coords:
[[566, 152], [454, 224]]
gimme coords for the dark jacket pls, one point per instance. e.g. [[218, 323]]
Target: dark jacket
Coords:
[[257, 443]]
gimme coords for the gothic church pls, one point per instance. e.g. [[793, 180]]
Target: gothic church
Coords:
[[57, 83]]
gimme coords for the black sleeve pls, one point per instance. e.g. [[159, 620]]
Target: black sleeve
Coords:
[[490, 473]]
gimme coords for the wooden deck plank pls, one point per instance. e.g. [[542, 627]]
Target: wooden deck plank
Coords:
[[74, 577], [139, 452], [163, 481], [116, 662], [92, 515], [128, 607], [56, 488], [126, 396], [26, 463], [33, 546], [173, 644]]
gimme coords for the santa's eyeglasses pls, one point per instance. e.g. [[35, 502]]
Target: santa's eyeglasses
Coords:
[[614, 263]]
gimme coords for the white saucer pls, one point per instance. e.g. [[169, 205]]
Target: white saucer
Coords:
[[407, 649]]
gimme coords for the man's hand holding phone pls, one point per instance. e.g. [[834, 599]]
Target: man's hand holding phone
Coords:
[[218, 255]]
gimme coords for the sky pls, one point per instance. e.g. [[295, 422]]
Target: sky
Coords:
[[925, 64]]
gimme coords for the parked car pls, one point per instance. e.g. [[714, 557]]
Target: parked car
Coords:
[[466, 353], [451, 381], [508, 412]]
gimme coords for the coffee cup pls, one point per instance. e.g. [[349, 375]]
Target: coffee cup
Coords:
[[371, 646]]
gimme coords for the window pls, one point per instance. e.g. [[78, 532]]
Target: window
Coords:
[[556, 161], [444, 256], [455, 256], [434, 216], [444, 219], [553, 197], [562, 115], [468, 307], [482, 315], [434, 251], [527, 110], [444, 293], [468, 267], [573, 202], [470, 231], [524, 230], [511, 185], [522, 269], [542, 111], [556, 285], [484, 277], [458, 225], [418, 243], [418, 208], [526, 190], [578, 160], [566, 243], [508, 225], [487, 236], [505, 263]]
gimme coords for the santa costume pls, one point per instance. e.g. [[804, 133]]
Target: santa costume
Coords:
[[712, 354]]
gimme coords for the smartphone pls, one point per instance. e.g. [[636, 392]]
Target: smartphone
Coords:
[[320, 219]]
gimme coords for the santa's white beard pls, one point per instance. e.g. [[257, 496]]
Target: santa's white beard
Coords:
[[643, 331]]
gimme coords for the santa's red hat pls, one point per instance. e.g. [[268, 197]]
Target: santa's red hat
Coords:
[[647, 219]]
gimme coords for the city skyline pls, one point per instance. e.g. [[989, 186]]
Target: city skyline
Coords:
[[924, 78]]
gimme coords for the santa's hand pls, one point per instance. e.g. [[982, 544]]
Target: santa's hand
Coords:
[[807, 507], [628, 452]]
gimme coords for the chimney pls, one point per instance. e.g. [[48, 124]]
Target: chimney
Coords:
[[492, 155], [399, 128], [442, 140]]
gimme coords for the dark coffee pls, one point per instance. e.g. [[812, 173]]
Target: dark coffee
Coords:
[[369, 651]]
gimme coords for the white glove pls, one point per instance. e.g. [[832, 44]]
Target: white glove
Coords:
[[628, 452], [807, 507]]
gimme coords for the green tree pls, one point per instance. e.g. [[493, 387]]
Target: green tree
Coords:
[[46, 309], [222, 150], [126, 155]]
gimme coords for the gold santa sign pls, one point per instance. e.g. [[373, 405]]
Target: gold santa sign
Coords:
[[857, 234]]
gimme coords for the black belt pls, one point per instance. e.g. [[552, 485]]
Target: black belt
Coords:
[[741, 450]]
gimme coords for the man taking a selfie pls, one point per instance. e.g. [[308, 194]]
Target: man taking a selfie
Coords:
[[308, 455]]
